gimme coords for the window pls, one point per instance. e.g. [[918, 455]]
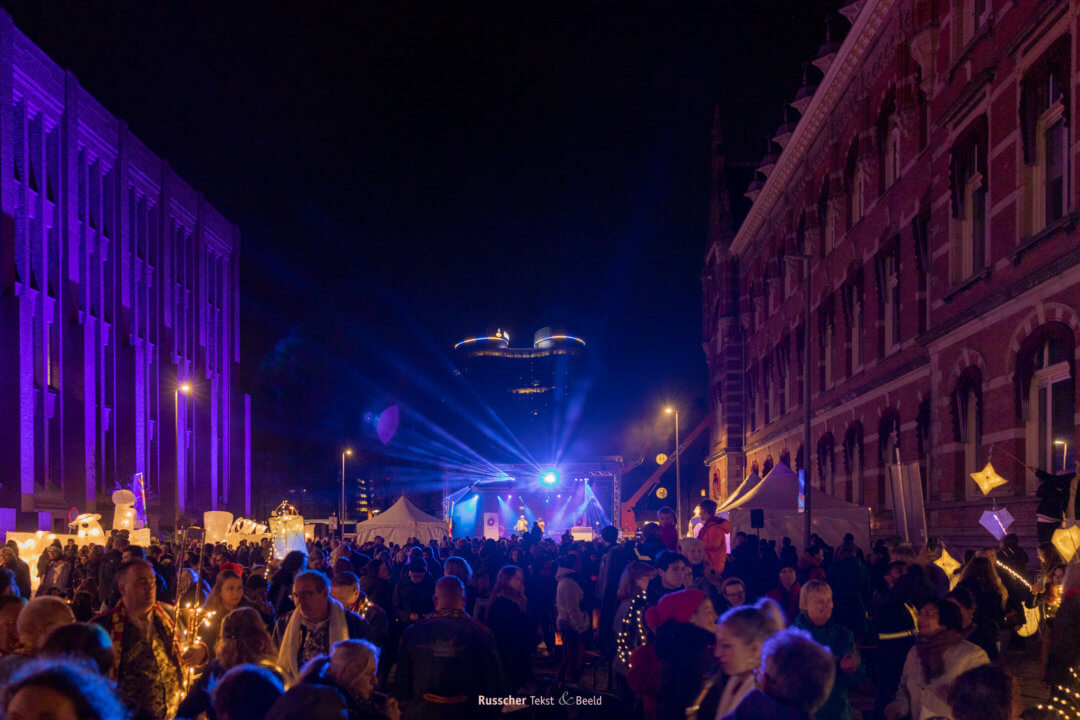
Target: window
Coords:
[[1050, 400], [766, 389], [826, 320], [826, 464], [1044, 107], [969, 183], [967, 420], [853, 186], [783, 361], [888, 142], [853, 463], [828, 228], [889, 444], [920, 228], [752, 398], [888, 276], [853, 315], [973, 16]]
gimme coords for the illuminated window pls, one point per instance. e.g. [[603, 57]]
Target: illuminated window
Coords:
[[1045, 135], [968, 178]]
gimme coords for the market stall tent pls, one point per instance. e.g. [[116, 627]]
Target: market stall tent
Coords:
[[402, 521], [777, 496]]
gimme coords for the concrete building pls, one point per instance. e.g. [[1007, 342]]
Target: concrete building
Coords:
[[931, 180], [118, 285]]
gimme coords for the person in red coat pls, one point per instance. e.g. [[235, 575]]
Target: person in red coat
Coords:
[[669, 531], [786, 593], [713, 535]]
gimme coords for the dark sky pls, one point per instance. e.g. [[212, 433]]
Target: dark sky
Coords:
[[405, 174]]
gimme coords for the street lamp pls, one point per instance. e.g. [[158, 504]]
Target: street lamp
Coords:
[[341, 515], [807, 484], [181, 449], [678, 478]]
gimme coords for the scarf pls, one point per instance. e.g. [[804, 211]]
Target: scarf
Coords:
[[118, 622], [449, 613], [290, 641], [931, 651]]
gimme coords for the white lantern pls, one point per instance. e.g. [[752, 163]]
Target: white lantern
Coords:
[[217, 524]]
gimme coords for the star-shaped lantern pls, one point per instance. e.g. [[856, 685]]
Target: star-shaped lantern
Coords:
[[947, 562], [997, 522], [1067, 541], [987, 479]]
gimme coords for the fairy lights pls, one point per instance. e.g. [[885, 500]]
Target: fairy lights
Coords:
[[633, 632]]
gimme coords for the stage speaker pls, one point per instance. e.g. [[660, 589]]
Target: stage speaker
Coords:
[[757, 519]]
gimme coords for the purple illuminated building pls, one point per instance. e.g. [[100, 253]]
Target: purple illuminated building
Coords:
[[118, 285]]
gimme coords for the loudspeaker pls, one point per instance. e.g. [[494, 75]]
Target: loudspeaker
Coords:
[[757, 519]]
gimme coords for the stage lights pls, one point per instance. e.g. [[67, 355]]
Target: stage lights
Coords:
[[550, 478]]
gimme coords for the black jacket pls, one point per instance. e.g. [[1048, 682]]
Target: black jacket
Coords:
[[685, 653]]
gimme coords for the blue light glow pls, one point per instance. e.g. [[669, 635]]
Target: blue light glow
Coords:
[[550, 477]]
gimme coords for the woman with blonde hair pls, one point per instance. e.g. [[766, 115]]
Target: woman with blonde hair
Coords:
[[740, 633], [353, 669]]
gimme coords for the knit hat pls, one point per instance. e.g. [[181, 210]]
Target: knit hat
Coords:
[[235, 567], [677, 606]]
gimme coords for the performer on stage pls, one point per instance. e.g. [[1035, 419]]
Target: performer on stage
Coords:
[[522, 526]]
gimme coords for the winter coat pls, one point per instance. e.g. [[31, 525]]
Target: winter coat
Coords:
[[515, 639], [413, 598], [788, 599], [840, 642], [1064, 650], [568, 597], [685, 653], [759, 706], [713, 536], [921, 699]]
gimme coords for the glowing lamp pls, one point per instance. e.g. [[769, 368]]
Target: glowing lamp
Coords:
[[661, 459], [987, 479], [997, 522], [947, 562], [217, 524], [124, 517], [550, 477], [1067, 541], [661, 492]]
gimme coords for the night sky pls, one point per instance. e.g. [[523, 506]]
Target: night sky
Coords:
[[406, 174]]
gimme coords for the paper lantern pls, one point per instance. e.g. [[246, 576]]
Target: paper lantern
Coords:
[[1067, 541], [988, 479], [997, 522], [947, 562], [288, 534], [217, 524], [88, 526], [124, 519], [245, 529]]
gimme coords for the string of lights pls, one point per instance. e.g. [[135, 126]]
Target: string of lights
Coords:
[[633, 632]]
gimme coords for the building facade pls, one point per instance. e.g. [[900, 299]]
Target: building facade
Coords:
[[928, 195], [118, 288]]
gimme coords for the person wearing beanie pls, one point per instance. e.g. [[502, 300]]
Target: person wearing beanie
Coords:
[[685, 624]]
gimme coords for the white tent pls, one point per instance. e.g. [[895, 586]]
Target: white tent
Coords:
[[777, 496], [402, 521]]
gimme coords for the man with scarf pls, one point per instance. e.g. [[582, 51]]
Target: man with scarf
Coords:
[[315, 625], [148, 671]]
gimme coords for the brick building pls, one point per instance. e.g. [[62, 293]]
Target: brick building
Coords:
[[118, 285], [931, 180]]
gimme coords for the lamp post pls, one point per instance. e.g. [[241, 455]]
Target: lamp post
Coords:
[[181, 449], [341, 515], [807, 522], [1064, 453], [678, 477]]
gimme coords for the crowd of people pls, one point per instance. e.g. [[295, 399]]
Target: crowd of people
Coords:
[[472, 628]]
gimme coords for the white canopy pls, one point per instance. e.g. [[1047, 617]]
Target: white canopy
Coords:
[[402, 521], [777, 496]]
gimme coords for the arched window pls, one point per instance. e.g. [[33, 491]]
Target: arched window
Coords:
[[853, 462], [889, 447], [826, 463], [1045, 366], [967, 421], [853, 186], [767, 466]]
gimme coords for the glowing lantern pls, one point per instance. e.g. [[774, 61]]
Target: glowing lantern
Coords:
[[88, 529], [217, 524], [997, 521], [947, 562], [124, 519], [988, 479], [1067, 541], [287, 529]]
